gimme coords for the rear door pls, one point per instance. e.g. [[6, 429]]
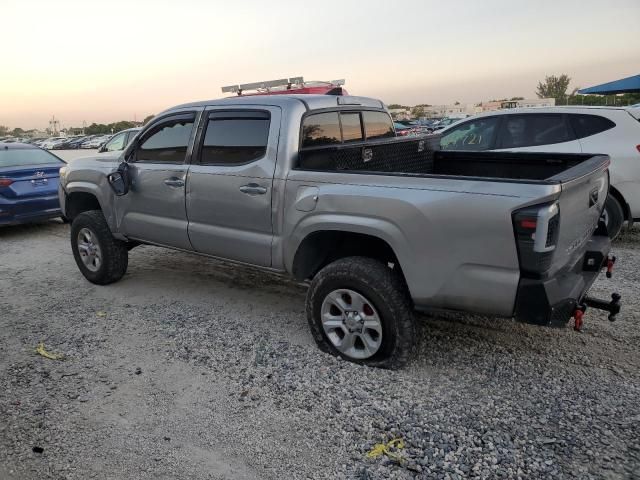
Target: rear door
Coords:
[[537, 132], [229, 187], [154, 209]]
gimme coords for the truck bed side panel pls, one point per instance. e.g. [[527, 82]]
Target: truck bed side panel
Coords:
[[454, 240]]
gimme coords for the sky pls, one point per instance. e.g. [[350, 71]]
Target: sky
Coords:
[[104, 61]]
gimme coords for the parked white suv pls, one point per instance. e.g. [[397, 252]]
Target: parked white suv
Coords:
[[610, 130]]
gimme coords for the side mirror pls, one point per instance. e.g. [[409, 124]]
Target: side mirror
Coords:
[[102, 149], [120, 180]]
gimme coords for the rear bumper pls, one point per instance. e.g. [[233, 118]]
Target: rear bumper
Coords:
[[29, 210], [552, 301]]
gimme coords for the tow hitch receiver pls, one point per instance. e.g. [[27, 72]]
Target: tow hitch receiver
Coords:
[[613, 307]]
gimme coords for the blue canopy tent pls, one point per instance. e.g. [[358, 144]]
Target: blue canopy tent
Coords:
[[625, 85]]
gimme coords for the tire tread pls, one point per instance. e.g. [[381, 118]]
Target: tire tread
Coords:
[[388, 285], [115, 255]]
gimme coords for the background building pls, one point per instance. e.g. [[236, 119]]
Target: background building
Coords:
[[459, 110]]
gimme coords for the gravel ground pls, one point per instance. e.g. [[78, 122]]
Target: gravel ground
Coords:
[[192, 368]]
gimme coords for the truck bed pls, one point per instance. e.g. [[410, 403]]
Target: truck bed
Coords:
[[420, 156]]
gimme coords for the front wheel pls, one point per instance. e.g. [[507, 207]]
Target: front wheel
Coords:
[[613, 216], [359, 309], [101, 258]]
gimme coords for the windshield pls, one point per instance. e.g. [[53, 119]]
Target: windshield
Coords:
[[26, 156]]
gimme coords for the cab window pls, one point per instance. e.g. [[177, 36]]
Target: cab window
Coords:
[[166, 142], [476, 134], [235, 138]]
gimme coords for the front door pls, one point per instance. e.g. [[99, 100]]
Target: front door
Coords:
[[229, 186], [154, 209]]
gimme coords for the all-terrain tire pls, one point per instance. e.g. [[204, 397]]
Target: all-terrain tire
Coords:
[[114, 253], [387, 292], [614, 216]]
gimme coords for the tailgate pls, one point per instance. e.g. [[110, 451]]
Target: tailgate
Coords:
[[584, 192]]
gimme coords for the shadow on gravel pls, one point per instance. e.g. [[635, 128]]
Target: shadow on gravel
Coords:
[[14, 232]]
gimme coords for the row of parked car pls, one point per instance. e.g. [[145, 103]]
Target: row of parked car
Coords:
[[406, 128], [62, 143], [104, 143], [72, 143]]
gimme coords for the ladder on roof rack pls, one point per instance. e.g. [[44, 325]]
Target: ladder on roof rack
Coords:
[[293, 85]]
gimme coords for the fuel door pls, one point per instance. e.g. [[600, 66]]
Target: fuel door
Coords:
[[306, 198]]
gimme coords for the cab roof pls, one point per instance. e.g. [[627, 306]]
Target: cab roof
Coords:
[[310, 102]]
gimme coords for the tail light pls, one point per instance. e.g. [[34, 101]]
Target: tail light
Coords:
[[5, 182], [638, 148], [537, 230]]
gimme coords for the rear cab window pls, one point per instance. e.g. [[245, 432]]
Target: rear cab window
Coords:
[[377, 125], [334, 128], [321, 129]]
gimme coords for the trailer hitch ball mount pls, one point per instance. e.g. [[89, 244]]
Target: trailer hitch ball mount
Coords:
[[613, 307]]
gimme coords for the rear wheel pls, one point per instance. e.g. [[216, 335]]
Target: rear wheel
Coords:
[[101, 258], [359, 309], [613, 216]]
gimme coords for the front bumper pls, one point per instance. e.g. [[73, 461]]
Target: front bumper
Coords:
[[552, 301]]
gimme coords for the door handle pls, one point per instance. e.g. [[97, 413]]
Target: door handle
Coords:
[[253, 189], [174, 182]]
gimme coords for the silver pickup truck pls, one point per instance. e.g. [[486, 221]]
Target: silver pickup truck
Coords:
[[320, 188]]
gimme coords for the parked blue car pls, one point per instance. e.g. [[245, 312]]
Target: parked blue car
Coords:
[[29, 178]]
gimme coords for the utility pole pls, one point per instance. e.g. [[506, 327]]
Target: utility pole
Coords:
[[54, 125]]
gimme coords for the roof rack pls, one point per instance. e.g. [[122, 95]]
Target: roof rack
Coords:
[[293, 85]]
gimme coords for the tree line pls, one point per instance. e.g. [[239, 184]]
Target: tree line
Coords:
[[93, 129], [556, 86]]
